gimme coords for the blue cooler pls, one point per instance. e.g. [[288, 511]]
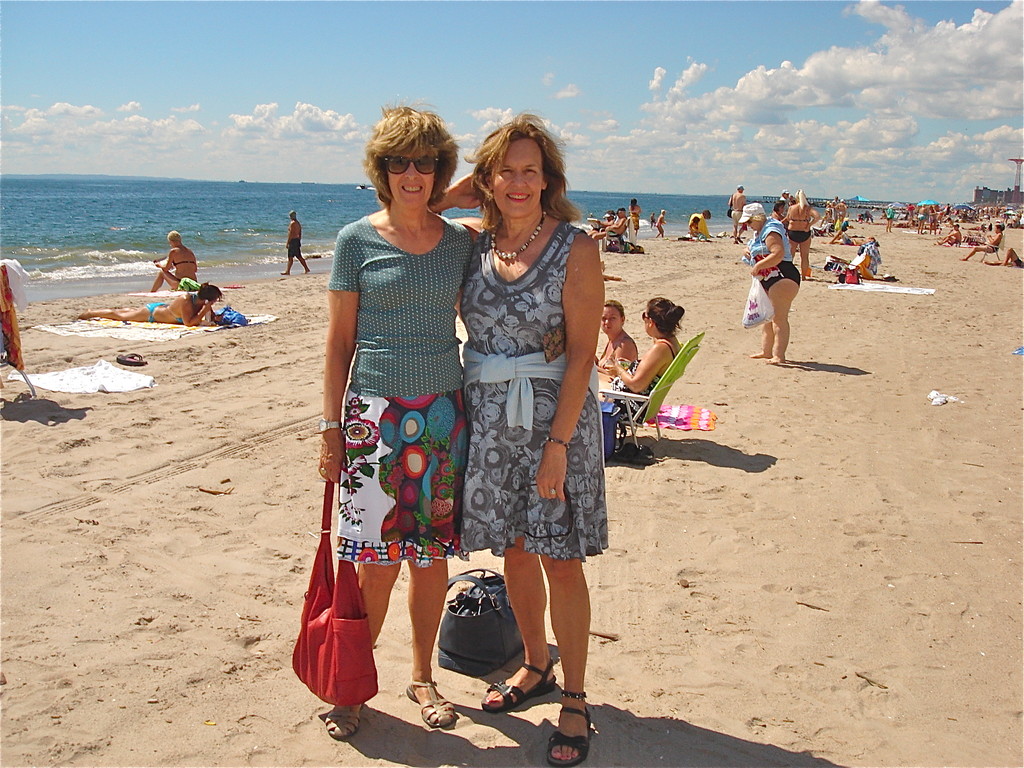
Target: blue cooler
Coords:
[[609, 421]]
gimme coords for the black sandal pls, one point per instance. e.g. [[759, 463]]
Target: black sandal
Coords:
[[512, 695], [133, 359], [580, 743]]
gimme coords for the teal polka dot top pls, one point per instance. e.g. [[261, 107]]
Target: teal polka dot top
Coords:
[[405, 331]]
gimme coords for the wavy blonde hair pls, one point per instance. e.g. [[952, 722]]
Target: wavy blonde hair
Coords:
[[410, 132], [491, 154]]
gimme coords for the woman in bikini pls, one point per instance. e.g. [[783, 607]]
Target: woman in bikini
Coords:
[[798, 223], [620, 345], [181, 262], [189, 309], [661, 322]]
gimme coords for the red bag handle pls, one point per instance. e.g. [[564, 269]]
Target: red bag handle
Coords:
[[348, 598]]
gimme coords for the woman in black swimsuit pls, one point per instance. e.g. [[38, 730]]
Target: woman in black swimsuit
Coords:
[[181, 262], [798, 224]]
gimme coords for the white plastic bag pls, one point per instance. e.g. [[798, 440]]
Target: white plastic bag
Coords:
[[759, 307]]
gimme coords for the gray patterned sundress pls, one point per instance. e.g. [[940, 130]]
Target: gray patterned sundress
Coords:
[[500, 499]]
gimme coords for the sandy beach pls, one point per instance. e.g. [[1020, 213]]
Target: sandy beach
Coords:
[[830, 577]]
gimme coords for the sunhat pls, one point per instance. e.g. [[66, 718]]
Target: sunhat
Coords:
[[750, 210]]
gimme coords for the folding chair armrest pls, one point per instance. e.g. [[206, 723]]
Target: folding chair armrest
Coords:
[[616, 395]]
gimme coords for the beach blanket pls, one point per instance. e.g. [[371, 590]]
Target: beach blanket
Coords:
[[686, 417], [882, 288], [101, 377], [116, 329]]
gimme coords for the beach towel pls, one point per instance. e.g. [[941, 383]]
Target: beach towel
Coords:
[[116, 329], [686, 417], [882, 288], [8, 314], [101, 377], [1018, 351]]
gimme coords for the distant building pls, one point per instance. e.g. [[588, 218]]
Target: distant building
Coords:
[[986, 196]]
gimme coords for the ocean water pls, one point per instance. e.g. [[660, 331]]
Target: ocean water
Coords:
[[88, 236]]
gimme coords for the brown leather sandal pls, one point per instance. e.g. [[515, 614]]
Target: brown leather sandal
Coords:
[[438, 712]]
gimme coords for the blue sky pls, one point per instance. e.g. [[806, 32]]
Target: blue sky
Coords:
[[869, 98]]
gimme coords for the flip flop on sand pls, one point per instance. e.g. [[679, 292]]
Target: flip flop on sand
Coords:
[[133, 359]]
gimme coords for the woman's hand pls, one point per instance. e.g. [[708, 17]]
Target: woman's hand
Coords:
[[551, 473], [462, 194], [331, 455]]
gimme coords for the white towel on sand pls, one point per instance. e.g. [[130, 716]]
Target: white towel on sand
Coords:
[[102, 377], [882, 288]]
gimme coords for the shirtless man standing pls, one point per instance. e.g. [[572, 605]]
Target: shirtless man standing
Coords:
[[181, 262], [736, 202], [294, 244]]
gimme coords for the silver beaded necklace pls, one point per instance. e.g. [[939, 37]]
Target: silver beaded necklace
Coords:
[[510, 257]]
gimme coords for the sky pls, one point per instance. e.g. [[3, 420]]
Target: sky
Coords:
[[884, 100]]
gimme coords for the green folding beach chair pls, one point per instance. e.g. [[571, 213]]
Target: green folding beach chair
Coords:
[[661, 389]]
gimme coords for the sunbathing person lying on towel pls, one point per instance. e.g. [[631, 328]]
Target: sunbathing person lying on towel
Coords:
[[189, 309]]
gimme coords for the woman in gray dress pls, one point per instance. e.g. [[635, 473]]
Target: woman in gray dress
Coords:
[[534, 489]]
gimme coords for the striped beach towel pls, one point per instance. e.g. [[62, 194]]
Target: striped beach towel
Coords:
[[687, 417]]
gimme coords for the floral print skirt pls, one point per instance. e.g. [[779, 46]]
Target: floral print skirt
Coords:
[[401, 486]]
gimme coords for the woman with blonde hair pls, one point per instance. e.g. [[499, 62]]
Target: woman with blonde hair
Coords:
[[534, 490], [798, 223], [394, 429], [619, 344]]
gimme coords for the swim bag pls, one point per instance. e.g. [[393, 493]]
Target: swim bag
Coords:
[[229, 316], [478, 632]]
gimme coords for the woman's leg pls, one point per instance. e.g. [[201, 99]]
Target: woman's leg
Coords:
[[782, 295], [570, 620], [427, 589], [526, 593], [126, 314], [375, 582]]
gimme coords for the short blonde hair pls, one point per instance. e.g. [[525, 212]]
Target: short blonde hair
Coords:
[[173, 236], [617, 306], [492, 152], [412, 133]]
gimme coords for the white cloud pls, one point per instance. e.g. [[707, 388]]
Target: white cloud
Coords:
[[306, 120], [490, 118], [548, 79], [131, 106], [192, 108], [656, 81], [570, 91]]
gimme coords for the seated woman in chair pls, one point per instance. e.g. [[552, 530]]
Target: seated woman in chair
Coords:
[[661, 322], [189, 309], [619, 344]]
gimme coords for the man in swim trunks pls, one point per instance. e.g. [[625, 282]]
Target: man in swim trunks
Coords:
[[189, 309], [294, 245], [736, 203], [181, 262], [994, 242]]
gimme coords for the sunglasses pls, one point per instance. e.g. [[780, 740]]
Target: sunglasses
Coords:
[[399, 163]]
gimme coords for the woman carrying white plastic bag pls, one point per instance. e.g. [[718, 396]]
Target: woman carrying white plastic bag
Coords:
[[774, 271]]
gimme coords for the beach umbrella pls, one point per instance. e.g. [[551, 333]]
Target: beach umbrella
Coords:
[[929, 202], [897, 205], [859, 199], [963, 207]]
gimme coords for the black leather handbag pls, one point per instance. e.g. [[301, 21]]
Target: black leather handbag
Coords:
[[478, 631]]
